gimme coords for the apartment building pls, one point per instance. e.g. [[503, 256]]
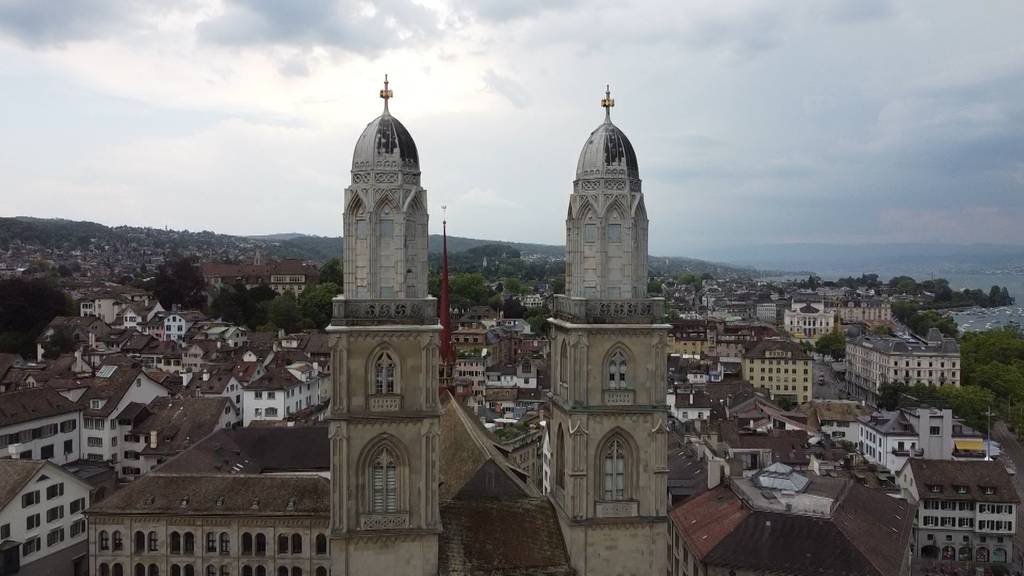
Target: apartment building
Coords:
[[889, 437], [39, 423], [873, 361], [42, 527], [782, 367], [966, 511]]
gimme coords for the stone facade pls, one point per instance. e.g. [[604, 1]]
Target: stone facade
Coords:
[[384, 413], [608, 414]]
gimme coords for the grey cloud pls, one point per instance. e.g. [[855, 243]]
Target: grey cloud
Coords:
[[354, 26], [43, 22], [505, 10], [507, 87], [856, 11]]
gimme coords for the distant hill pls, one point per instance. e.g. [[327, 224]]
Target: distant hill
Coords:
[[69, 236]]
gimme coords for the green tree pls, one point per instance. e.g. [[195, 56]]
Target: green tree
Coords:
[[60, 342], [26, 307], [331, 272], [513, 286], [468, 289], [970, 403], [179, 282], [654, 286], [315, 304], [283, 313], [832, 344]]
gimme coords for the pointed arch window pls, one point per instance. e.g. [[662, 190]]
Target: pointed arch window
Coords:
[[617, 366], [383, 482], [613, 470], [563, 363], [384, 374], [560, 459]]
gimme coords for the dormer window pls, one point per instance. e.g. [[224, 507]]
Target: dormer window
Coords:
[[960, 489], [935, 488], [95, 404], [988, 490]]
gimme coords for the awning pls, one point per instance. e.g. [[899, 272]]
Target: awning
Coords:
[[973, 445]]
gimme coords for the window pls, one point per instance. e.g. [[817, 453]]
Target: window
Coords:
[[271, 412], [152, 541], [154, 570], [104, 569], [30, 499], [282, 571], [211, 570], [104, 540], [54, 514], [614, 233], [55, 491], [296, 571], [296, 543], [321, 544], [590, 232], [190, 543], [175, 543], [78, 527], [246, 570], [383, 482], [32, 522], [77, 505], [31, 546], [617, 370], [321, 571], [261, 544], [613, 468], [175, 570], [935, 430], [211, 542], [563, 363], [55, 536], [560, 459], [246, 544], [46, 452], [94, 442], [225, 544], [69, 446], [261, 571], [259, 395], [140, 543], [384, 374], [282, 544], [118, 543]]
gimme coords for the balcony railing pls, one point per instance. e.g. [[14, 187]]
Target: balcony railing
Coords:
[[616, 509], [384, 521], [608, 311], [915, 453], [618, 397], [386, 403], [383, 311]]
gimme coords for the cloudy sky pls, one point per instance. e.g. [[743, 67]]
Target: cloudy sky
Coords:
[[755, 121]]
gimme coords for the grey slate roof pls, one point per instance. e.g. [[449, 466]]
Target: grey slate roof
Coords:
[[33, 403]]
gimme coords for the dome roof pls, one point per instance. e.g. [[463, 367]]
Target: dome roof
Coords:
[[607, 153], [385, 144]]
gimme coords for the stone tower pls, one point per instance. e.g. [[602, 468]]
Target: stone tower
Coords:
[[608, 421], [384, 412]]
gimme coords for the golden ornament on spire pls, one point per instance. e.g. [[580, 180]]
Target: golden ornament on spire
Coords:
[[386, 93], [607, 102]]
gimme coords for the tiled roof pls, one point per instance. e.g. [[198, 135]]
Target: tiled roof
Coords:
[[707, 519], [974, 475], [14, 474], [256, 450], [33, 403], [758, 351], [180, 422], [216, 494]]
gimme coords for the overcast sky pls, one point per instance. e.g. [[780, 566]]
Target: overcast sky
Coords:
[[754, 121]]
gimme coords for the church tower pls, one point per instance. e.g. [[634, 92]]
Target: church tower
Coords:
[[384, 413], [608, 421]]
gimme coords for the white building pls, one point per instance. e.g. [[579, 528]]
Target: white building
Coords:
[[864, 310], [41, 508], [176, 324], [39, 423], [116, 393], [872, 361], [520, 375], [808, 320], [532, 300], [967, 511], [283, 391], [889, 438]]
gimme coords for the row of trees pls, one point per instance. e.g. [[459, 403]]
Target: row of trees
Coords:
[[921, 321]]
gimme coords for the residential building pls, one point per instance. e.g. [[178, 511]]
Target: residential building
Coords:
[[280, 392], [176, 324], [167, 427], [871, 311], [116, 393], [873, 361], [42, 527], [291, 276], [808, 320], [39, 423], [889, 437], [520, 375], [966, 511], [780, 521], [782, 367], [836, 419]]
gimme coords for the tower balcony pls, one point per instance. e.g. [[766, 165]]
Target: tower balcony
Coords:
[[609, 310], [383, 311]]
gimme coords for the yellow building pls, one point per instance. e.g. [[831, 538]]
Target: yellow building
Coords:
[[782, 367]]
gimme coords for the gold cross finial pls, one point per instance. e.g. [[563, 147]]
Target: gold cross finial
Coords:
[[607, 102], [386, 93]]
